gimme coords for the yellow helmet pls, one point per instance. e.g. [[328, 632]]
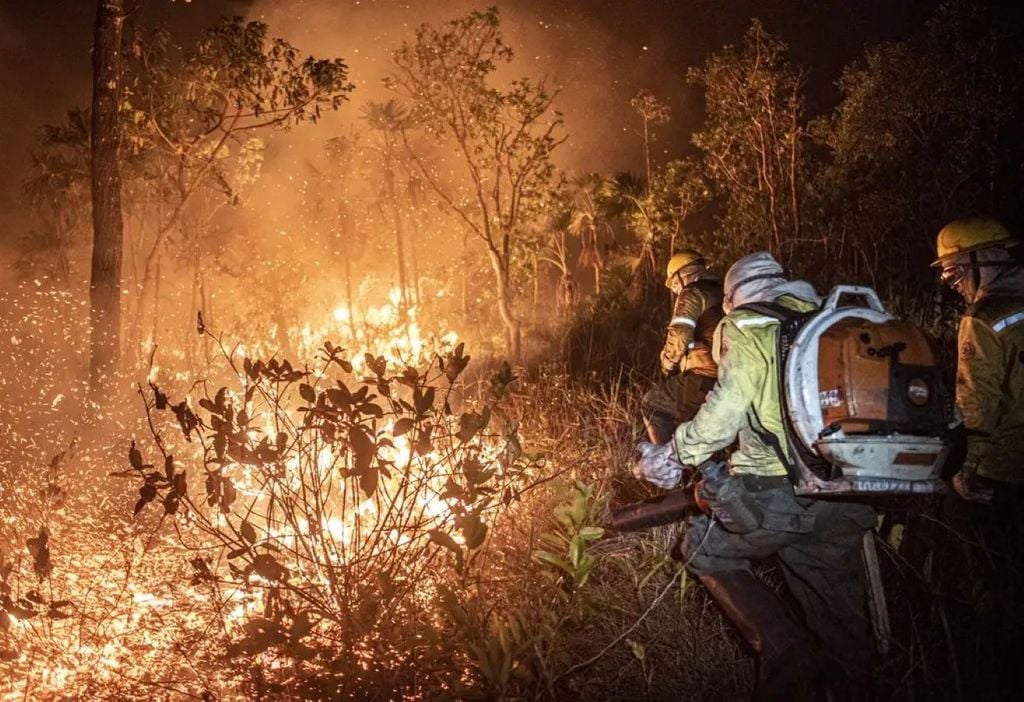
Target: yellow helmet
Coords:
[[680, 260], [966, 235]]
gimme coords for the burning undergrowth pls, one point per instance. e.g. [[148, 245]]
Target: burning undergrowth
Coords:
[[304, 531]]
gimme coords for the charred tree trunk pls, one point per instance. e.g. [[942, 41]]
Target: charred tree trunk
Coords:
[[108, 227]]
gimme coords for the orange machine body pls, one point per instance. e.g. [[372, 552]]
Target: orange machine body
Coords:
[[876, 374]]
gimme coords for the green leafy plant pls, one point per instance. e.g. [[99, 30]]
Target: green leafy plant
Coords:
[[573, 532]]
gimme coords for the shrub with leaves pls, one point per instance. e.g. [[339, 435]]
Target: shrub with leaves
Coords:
[[322, 509]]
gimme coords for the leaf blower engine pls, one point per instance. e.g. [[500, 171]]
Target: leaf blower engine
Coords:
[[867, 408]]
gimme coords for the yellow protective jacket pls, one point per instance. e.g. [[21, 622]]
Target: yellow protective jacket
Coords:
[[745, 400], [695, 315], [990, 386]]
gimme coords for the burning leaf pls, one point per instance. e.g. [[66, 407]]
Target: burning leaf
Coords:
[[445, 540], [502, 379], [135, 458], [201, 568], [456, 363], [39, 548], [248, 532], [266, 566], [424, 442], [147, 493], [471, 423], [402, 426], [171, 503], [423, 401], [368, 481], [475, 472], [159, 399], [187, 419], [473, 530]]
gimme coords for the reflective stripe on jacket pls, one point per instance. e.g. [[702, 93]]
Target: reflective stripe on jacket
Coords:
[[746, 394], [695, 315], [990, 386]]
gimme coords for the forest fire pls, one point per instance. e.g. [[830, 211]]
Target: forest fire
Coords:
[[350, 495], [335, 337]]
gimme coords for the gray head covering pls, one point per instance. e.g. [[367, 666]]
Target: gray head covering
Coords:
[[999, 273], [759, 278]]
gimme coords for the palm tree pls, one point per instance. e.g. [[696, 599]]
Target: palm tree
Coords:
[[587, 220], [556, 253], [625, 196]]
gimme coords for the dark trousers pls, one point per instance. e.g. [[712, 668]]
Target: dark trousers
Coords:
[[678, 396], [818, 543]]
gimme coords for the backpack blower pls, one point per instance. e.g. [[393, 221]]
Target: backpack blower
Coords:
[[866, 409]]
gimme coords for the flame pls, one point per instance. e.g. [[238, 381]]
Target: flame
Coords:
[[137, 592]]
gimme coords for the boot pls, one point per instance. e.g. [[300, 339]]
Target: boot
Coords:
[[660, 427], [788, 660]]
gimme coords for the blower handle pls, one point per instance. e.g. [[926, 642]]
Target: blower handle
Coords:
[[838, 292]]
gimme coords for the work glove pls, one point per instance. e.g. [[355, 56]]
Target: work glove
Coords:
[[969, 487], [658, 465], [668, 366]]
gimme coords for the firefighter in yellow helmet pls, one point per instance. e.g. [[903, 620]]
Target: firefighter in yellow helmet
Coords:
[[687, 366], [977, 260]]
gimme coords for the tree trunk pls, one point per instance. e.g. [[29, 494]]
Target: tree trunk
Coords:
[[156, 309], [513, 327], [108, 227], [536, 288], [417, 233], [464, 293], [396, 213], [350, 302], [647, 159]]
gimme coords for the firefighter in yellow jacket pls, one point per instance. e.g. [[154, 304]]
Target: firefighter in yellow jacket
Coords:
[[817, 541], [977, 260], [687, 366]]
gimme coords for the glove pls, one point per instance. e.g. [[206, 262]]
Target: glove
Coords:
[[658, 465], [668, 366], [969, 487]]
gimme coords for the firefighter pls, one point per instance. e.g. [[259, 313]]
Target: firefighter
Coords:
[[976, 260], [817, 541], [687, 367]]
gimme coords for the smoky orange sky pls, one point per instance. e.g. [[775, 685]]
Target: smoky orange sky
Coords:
[[599, 53]]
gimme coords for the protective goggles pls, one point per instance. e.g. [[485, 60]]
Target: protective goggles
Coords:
[[952, 276]]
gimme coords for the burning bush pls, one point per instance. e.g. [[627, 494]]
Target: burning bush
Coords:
[[323, 505]]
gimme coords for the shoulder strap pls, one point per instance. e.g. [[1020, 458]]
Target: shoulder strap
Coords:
[[772, 440], [770, 309], [792, 320]]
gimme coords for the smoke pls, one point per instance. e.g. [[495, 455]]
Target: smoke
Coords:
[[574, 48]]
